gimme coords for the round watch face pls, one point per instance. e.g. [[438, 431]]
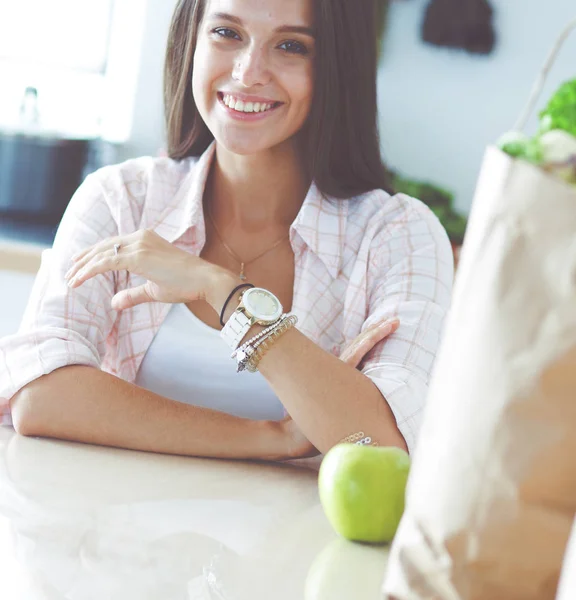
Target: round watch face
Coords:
[[262, 304]]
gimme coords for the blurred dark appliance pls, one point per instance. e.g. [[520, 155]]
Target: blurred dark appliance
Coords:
[[461, 24], [39, 173]]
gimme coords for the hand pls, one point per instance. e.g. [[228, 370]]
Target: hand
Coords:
[[360, 346], [173, 275], [297, 444]]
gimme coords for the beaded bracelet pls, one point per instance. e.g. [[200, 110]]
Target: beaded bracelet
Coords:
[[244, 353], [359, 439], [251, 341], [261, 347]]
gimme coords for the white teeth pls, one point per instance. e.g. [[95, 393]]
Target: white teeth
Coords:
[[247, 107]]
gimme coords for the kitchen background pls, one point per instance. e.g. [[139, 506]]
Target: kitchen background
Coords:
[[81, 86]]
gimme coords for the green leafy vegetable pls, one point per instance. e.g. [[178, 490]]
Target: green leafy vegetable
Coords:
[[561, 110]]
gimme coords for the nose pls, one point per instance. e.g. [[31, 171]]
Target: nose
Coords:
[[251, 68]]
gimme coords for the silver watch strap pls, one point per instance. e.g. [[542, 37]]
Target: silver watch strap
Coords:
[[236, 329]]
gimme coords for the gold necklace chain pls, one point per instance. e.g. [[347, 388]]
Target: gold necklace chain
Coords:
[[243, 263]]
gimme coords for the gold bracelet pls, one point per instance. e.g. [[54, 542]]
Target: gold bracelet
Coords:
[[264, 345], [360, 439]]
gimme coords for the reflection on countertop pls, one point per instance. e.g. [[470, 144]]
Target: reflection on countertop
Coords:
[[80, 522]]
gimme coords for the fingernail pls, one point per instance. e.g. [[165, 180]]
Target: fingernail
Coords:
[[388, 324], [68, 273], [72, 282]]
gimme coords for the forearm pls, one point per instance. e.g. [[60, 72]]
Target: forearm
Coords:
[[84, 404], [326, 397]]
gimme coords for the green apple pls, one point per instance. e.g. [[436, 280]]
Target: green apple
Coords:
[[362, 491]]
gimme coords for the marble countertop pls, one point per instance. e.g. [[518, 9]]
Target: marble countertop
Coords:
[[80, 522], [21, 244]]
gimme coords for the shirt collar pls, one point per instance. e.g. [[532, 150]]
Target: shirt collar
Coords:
[[320, 223]]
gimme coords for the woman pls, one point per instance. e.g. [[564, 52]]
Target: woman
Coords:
[[274, 179]]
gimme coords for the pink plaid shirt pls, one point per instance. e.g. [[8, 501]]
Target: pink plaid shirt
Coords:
[[357, 262]]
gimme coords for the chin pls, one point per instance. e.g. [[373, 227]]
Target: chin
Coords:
[[244, 146]]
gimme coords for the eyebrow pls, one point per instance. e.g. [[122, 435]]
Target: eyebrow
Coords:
[[284, 29]]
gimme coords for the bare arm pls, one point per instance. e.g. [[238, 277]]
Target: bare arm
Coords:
[[329, 399], [84, 404]]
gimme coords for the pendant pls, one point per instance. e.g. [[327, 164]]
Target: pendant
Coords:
[[242, 276]]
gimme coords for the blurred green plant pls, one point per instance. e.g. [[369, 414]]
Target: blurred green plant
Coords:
[[382, 7], [561, 110], [439, 200]]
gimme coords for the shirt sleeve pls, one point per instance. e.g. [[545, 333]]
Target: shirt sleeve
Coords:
[[410, 276], [62, 326]]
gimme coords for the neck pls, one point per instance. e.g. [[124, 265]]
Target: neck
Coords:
[[257, 192]]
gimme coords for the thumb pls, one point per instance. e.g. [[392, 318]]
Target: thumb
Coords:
[[132, 297]]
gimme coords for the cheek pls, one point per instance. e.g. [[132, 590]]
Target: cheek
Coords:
[[207, 69], [198, 77], [302, 89]]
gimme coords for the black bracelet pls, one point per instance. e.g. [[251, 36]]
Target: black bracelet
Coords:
[[240, 287]]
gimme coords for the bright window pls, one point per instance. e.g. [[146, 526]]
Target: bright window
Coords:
[[81, 55], [70, 34]]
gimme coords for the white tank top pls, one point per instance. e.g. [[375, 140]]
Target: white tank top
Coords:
[[189, 362]]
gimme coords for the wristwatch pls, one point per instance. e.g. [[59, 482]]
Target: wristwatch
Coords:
[[257, 306]]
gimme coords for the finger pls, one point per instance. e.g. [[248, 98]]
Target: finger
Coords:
[[378, 334], [354, 354], [354, 357], [80, 254], [373, 334], [96, 248], [99, 253], [132, 297], [82, 258], [87, 255], [385, 329], [98, 266], [80, 264], [379, 331]]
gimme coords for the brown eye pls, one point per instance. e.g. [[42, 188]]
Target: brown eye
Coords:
[[293, 47], [226, 33]]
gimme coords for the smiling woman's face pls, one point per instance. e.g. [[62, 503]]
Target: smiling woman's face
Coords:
[[253, 75]]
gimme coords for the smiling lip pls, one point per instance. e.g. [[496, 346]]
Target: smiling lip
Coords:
[[249, 98], [246, 116]]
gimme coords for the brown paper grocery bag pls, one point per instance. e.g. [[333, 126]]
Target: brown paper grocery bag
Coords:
[[567, 589], [492, 494]]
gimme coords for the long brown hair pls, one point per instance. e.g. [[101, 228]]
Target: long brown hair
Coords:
[[339, 142]]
